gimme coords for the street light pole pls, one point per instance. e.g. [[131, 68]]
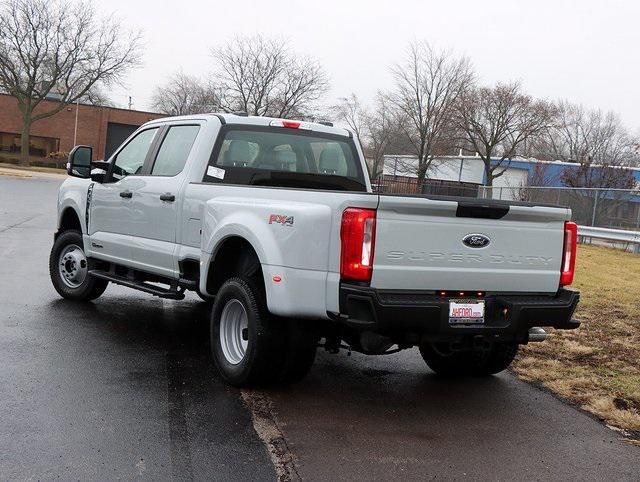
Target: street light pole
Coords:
[[75, 129]]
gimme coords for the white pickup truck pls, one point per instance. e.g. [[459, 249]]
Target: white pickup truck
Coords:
[[274, 221]]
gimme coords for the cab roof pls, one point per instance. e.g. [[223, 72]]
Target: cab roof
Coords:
[[241, 119]]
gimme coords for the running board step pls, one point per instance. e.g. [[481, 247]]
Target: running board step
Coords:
[[138, 285]]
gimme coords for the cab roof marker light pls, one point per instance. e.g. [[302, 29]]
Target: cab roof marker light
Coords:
[[289, 124]]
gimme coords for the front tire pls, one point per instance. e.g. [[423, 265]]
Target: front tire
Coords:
[[69, 269], [247, 343], [445, 362]]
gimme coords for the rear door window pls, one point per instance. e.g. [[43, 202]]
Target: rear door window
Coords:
[[174, 151]]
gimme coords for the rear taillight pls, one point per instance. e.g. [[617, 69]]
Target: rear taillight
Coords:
[[357, 237], [568, 253]]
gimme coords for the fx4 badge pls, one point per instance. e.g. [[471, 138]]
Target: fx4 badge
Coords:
[[281, 219]]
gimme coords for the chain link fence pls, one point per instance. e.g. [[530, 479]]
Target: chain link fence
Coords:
[[604, 208]]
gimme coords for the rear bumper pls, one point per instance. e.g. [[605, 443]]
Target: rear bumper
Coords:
[[426, 315]]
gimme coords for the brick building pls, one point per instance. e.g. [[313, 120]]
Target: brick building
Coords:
[[103, 128]]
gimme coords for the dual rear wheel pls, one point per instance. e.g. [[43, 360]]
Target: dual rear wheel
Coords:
[[252, 347]]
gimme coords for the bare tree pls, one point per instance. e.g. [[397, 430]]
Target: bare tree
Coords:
[[184, 94], [590, 138], [383, 133], [601, 148], [96, 96], [427, 86], [351, 111], [262, 76], [54, 46], [497, 121], [374, 128]]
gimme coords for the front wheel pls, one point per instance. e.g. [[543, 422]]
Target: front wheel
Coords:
[[444, 361], [69, 269]]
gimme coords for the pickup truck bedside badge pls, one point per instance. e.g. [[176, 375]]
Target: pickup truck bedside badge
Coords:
[[475, 240]]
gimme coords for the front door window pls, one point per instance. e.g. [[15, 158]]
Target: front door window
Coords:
[[131, 157]]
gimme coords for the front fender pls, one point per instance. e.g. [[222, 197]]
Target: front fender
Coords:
[[73, 195]]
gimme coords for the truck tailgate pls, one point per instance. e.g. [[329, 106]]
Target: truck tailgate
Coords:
[[419, 245]]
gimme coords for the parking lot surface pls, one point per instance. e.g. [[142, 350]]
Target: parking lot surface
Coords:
[[123, 388]]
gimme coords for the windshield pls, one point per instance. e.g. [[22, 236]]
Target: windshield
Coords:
[[286, 157]]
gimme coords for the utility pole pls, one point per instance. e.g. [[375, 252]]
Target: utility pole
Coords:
[[75, 128], [130, 102], [595, 206]]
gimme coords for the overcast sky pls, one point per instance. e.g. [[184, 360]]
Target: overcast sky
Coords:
[[586, 51]]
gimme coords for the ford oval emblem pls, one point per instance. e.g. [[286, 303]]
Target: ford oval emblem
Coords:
[[476, 240]]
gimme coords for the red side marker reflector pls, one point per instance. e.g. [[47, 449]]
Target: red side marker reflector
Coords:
[[276, 278]]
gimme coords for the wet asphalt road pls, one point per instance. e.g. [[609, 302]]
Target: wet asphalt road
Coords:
[[116, 389], [122, 388]]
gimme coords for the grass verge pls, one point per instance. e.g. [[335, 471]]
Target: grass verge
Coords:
[[598, 365]]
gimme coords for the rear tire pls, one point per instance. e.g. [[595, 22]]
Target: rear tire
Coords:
[[68, 269], [301, 346], [247, 343], [469, 362]]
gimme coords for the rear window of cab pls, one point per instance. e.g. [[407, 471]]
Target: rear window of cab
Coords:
[[276, 156]]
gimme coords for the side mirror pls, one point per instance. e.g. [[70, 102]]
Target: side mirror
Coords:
[[79, 164]]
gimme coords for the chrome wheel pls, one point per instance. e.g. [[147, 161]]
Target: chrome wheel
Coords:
[[234, 337], [72, 266]]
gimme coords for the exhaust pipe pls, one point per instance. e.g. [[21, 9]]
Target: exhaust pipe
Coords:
[[537, 334]]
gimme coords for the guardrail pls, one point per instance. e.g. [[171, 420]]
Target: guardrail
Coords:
[[617, 235]]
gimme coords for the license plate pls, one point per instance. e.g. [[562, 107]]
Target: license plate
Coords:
[[466, 312]]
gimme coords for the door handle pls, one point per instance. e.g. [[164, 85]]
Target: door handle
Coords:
[[167, 197], [126, 194]]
